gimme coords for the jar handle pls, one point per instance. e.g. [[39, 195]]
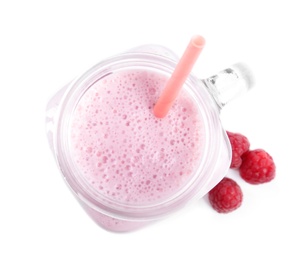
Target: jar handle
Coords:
[[230, 83]]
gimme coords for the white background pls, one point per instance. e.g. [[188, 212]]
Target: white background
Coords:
[[45, 44]]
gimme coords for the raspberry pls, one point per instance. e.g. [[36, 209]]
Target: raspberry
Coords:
[[257, 167], [226, 196], [240, 145]]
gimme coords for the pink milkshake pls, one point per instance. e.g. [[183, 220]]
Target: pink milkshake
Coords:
[[123, 151]]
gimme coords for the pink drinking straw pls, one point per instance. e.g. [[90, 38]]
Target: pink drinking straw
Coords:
[[178, 77]]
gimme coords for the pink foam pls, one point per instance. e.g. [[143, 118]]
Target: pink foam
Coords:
[[123, 150]]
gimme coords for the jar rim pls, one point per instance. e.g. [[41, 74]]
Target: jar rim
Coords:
[[191, 191]]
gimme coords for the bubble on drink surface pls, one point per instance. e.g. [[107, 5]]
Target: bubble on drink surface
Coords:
[[135, 157]]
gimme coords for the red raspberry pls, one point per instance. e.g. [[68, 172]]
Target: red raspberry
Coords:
[[257, 167], [240, 145], [226, 196]]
